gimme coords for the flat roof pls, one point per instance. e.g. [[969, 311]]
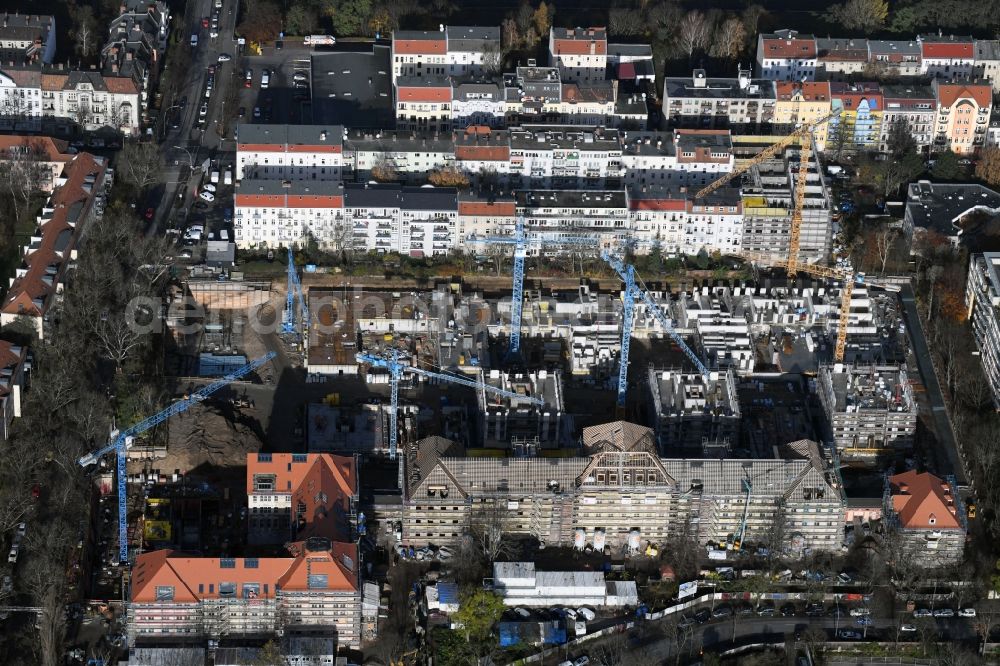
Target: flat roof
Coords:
[[535, 137], [684, 87], [353, 89], [938, 206], [397, 141], [572, 198], [290, 135]]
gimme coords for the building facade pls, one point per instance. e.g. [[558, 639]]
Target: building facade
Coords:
[[580, 54], [800, 104], [982, 298], [927, 516], [289, 152], [963, 116], [786, 56], [743, 104]]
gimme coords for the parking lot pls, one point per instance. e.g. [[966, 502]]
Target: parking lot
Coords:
[[280, 102]]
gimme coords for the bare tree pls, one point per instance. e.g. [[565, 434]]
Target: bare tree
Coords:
[[489, 524], [730, 39], [82, 115], [495, 59], [693, 33], [140, 162], [85, 33], [612, 651], [118, 337], [43, 578], [884, 239], [23, 173], [625, 22]]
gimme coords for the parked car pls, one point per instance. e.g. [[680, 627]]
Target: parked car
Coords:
[[860, 612], [443, 552], [864, 622], [208, 187], [242, 112], [967, 612], [766, 611], [788, 610], [850, 634], [194, 40], [300, 76], [586, 614], [944, 612], [569, 612], [256, 112], [204, 22], [22, 529], [702, 616], [844, 578], [907, 628], [686, 622], [923, 612], [225, 57], [523, 613], [265, 79], [203, 111], [722, 611], [12, 555], [207, 196], [581, 661], [744, 609]]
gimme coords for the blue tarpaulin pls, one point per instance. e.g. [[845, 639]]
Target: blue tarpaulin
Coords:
[[447, 593], [514, 633]]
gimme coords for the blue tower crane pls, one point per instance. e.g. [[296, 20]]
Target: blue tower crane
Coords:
[[520, 242], [629, 294], [396, 369], [119, 443], [297, 285]]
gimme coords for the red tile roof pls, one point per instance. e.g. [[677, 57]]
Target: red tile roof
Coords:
[[582, 41], [196, 578], [949, 93], [423, 94], [789, 48], [323, 483], [486, 208], [658, 204], [918, 498], [53, 150], [957, 50], [812, 91], [122, 85], [484, 153], [44, 265], [420, 46]]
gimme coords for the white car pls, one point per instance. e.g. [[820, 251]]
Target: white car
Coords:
[[581, 661], [908, 628], [208, 187], [300, 76], [203, 111], [967, 612], [586, 613], [522, 612], [570, 613], [923, 612], [225, 57], [443, 552], [12, 555], [944, 612], [860, 612], [22, 528], [207, 196]]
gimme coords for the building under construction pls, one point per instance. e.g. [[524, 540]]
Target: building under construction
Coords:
[[507, 422], [870, 410], [692, 412]]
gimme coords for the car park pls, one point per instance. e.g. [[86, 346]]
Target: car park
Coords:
[[967, 612]]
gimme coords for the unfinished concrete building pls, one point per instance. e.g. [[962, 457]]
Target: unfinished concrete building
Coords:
[[691, 412], [621, 494], [870, 410], [768, 198], [720, 319], [518, 422]]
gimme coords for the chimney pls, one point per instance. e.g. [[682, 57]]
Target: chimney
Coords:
[[698, 77]]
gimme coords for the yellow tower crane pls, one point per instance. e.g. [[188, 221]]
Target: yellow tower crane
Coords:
[[804, 137]]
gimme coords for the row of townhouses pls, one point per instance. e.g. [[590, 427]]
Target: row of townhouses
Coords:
[[295, 183], [452, 78], [36, 95], [940, 114], [787, 55]]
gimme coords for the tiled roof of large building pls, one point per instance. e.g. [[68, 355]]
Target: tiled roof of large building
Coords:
[[811, 91], [580, 41], [45, 259], [949, 93], [786, 44], [921, 500]]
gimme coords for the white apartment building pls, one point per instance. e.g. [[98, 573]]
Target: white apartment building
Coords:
[[581, 54], [786, 56], [947, 57], [601, 214], [988, 62], [415, 221], [478, 103], [707, 103], [664, 216], [678, 157], [564, 156], [479, 217], [423, 103], [58, 100], [279, 213], [289, 152], [410, 155], [450, 51]]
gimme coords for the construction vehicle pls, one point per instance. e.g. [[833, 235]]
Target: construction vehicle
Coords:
[[630, 293], [120, 441], [396, 369], [520, 242]]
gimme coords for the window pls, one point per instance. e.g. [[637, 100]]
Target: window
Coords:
[[227, 589], [164, 593], [263, 457], [250, 563], [317, 582], [227, 563], [300, 457], [251, 590]]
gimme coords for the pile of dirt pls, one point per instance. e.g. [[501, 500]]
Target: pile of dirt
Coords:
[[209, 435]]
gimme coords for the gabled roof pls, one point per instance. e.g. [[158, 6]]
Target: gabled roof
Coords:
[[321, 485], [918, 498], [618, 436], [579, 41], [788, 44], [949, 93], [961, 48], [810, 91], [192, 579]]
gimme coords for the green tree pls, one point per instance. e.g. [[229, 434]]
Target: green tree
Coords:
[[269, 655], [901, 139], [301, 19], [946, 167], [702, 260], [349, 17], [479, 612]]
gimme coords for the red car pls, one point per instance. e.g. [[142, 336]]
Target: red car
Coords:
[[204, 22], [36, 491], [149, 213], [248, 83]]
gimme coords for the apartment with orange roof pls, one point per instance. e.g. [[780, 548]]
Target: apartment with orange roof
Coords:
[[803, 103], [928, 515], [423, 103], [314, 592], [38, 281], [50, 156], [448, 51], [294, 496], [581, 54], [786, 56], [963, 116]]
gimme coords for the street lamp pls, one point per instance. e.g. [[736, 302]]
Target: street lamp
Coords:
[[190, 157]]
